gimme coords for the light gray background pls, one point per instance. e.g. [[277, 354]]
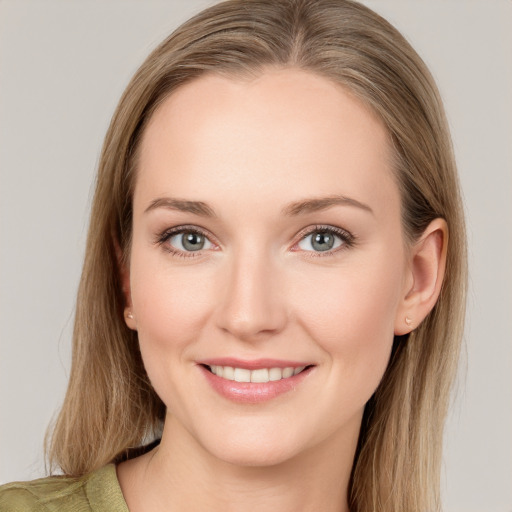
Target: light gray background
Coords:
[[63, 66]]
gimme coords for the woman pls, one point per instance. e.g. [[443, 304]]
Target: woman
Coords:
[[274, 278]]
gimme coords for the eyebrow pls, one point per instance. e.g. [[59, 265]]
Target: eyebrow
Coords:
[[322, 203], [293, 209], [195, 207]]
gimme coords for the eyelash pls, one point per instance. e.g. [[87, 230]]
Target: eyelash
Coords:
[[348, 240]]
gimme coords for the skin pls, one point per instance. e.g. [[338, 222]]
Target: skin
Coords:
[[248, 148]]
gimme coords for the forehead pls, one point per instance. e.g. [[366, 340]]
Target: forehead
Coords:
[[284, 127]]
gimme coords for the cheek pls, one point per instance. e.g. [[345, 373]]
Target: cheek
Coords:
[[350, 314], [171, 306]]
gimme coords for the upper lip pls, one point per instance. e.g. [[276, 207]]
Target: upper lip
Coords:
[[254, 364]]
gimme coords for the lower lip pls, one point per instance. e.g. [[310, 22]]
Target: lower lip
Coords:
[[253, 392]]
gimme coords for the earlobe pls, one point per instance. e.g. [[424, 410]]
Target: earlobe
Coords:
[[427, 266], [124, 276], [129, 318]]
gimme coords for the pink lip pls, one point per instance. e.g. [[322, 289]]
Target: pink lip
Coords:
[[255, 364], [253, 392]]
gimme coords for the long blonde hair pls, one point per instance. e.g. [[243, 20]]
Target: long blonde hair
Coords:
[[110, 407]]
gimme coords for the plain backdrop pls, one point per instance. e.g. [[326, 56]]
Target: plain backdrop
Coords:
[[63, 66]]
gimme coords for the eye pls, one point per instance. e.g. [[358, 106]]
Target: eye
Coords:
[[183, 240], [190, 241], [323, 239]]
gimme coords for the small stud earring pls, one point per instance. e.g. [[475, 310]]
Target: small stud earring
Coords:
[[408, 321], [129, 314]]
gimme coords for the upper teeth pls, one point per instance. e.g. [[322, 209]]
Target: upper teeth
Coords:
[[259, 375]]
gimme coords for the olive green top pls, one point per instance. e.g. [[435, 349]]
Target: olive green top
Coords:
[[96, 492]]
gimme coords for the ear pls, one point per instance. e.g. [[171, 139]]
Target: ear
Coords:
[[427, 263], [124, 274]]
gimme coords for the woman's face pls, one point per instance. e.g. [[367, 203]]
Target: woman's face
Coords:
[[266, 236]]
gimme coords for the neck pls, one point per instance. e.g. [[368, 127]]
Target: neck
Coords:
[[180, 475]]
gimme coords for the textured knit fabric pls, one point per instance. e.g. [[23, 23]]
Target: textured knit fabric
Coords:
[[97, 492]]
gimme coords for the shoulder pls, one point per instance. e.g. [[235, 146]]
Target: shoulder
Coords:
[[52, 493], [99, 491]]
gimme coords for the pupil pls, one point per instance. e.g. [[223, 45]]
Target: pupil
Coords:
[[323, 241], [193, 241]]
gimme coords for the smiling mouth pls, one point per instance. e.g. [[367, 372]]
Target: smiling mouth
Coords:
[[260, 375]]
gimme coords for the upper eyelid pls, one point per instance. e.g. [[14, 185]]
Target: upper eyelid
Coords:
[[301, 234], [319, 228], [347, 238], [186, 229]]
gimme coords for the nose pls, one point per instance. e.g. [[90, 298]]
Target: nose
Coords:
[[252, 305]]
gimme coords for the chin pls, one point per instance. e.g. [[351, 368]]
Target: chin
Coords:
[[253, 455], [256, 445]]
